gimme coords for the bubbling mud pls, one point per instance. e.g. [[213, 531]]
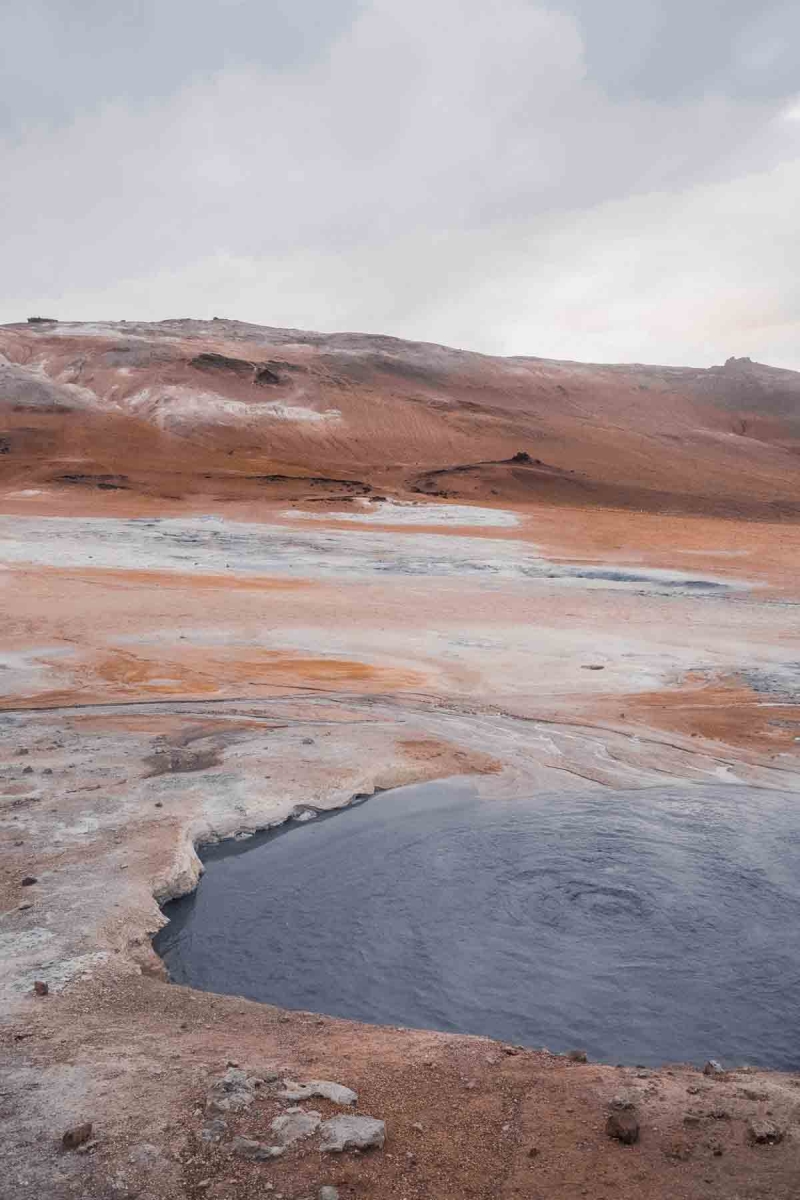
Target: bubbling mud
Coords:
[[651, 925]]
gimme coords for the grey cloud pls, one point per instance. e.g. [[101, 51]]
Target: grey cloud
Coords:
[[664, 49], [59, 58]]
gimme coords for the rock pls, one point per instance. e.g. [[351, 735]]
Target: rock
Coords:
[[40, 988], [76, 1136], [713, 1068], [579, 1056], [232, 1092], [294, 1126], [255, 1151], [720, 1114], [214, 1131], [764, 1133], [322, 1088], [352, 1133], [144, 1155], [27, 770], [752, 1094], [623, 1126], [328, 1193], [622, 1103], [28, 881], [264, 1075], [26, 904]]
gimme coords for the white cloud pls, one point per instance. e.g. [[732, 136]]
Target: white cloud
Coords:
[[444, 173]]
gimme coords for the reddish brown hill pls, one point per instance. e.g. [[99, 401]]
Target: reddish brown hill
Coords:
[[227, 409]]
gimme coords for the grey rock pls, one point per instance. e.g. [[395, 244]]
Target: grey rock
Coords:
[[622, 1103], [352, 1133], [713, 1068], [325, 1089], [624, 1127], [578, 1056], [255, 1151], [328, 1193], [292, 1127], [214, 1131], [232, 1092], [764, 1133], [144, 1155]]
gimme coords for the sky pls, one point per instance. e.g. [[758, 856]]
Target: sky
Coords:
[[602, 180]]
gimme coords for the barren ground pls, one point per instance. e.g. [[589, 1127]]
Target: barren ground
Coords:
[[211, 617]]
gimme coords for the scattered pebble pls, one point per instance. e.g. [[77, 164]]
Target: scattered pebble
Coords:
[[40, 988], [28, 881]]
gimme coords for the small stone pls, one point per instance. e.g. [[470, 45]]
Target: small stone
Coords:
[[624, 1127], [417, 1127], [510, 1050], [352, 1133], [717, 1151], [308, 741], [158, 804], [578, 1056], [40, 988], [622, 1103], [26, 904], [713, 1068], [88, 1147], [328, 1193], [691, 1120], [76, 1136], [28, 881], [720, 1114], [27, 770], [47, 770], [533, 1152], [22, 751], [764, 1133], [255, 1151]]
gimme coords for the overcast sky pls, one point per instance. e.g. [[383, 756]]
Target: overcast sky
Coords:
[[608, 180]]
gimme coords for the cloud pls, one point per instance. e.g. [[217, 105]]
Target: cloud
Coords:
[[438, 172]]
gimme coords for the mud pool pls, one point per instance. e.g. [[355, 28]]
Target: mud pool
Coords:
[[646, 926]]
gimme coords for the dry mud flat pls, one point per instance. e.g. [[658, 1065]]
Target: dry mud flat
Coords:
[[210, 622]]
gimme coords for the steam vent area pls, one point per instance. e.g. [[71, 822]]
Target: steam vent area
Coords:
[[399, 771]]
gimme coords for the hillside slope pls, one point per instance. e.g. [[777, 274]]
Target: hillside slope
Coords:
[[230, 410]]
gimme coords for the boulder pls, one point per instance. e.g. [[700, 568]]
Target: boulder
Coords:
[[764, 1133], [713, 1068], [323, 1089], [624, 1127], [352, 1133], [292, 1127], [231, 1092], [214, 1131]]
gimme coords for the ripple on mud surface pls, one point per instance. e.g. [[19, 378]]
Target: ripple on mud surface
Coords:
[[648, 926]]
